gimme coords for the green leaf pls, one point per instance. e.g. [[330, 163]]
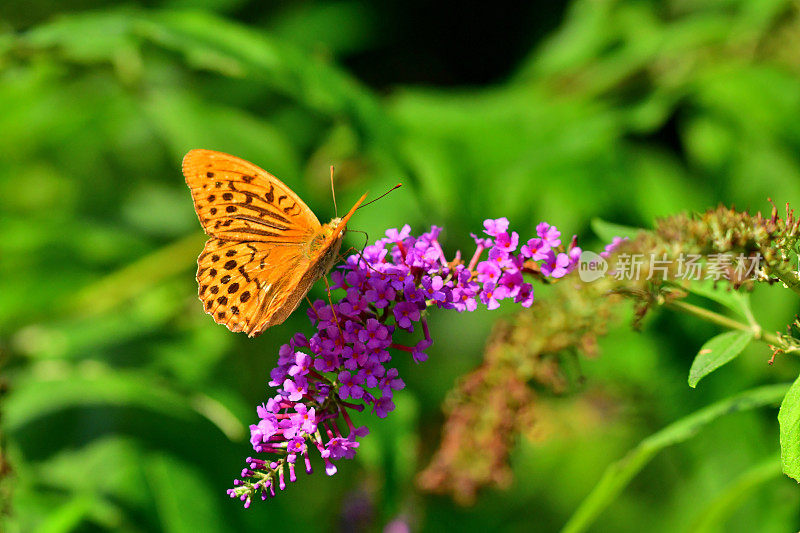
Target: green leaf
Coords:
[[69, 516], [607, 230], [618, 474], [789, 421], [213, 43], [738, 302], [89, 37], [186, 122], [73, 471], [136, 278], [716, 352], [185, 501], [35, 398], [713, 516]]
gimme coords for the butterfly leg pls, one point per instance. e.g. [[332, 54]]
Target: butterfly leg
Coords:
[[360, 256], [335, 318], [311, 306], [366, 239], [342, 256]]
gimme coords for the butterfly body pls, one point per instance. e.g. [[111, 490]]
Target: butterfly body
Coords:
[[321, 254], [266, 247]]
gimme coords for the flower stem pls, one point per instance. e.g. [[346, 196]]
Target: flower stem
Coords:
[[425, 330], [725, 321], [474, 260], [401, 347]]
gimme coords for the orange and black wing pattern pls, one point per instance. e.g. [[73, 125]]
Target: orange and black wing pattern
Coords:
[[236, 200]]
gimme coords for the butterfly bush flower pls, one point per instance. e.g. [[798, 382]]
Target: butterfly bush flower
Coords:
[[345, 365]]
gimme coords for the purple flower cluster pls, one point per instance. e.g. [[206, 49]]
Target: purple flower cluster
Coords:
[[343, 366]]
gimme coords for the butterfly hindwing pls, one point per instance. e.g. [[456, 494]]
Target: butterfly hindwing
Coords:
[[243, 285], [237, 200]]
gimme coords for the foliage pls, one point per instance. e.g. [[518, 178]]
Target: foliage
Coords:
[[127, 408]]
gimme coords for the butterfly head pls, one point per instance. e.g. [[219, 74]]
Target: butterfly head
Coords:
[[332, 231]]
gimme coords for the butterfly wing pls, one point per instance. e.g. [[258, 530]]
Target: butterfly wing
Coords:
[[251, 286], [266, 248], [237, 200], [245, 285]]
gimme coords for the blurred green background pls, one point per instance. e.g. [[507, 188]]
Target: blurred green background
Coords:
[[127, 407]]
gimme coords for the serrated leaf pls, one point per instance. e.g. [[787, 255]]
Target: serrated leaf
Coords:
[[607, 230], [789, 422], [716, 352]]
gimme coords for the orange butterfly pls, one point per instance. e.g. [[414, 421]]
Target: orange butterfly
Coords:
[[266, 248]]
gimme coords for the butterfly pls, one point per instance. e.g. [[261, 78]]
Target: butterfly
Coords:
[[266, 247]]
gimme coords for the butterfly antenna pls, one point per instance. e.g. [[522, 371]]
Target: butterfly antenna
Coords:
[[333, 193], [382, 195]]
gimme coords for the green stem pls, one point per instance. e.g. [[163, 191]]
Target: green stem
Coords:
[[788, 278], [725, 321]]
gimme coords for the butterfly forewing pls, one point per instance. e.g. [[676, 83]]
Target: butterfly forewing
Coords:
[[236, 200]]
